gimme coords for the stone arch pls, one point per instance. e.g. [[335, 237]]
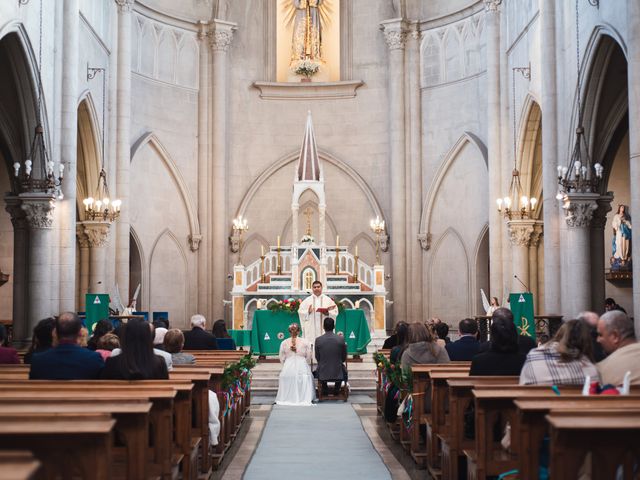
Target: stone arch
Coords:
[[89, 159], [324, 157], [187, 65], [451, 48], [481, 261], [143, 272], [430, 51], [167, 54], [449, 158], [187, 199], [529, 151], [148, 50], [449, 303], [175, 299]]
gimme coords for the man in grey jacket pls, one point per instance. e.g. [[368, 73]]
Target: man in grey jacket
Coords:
[[331, 353]]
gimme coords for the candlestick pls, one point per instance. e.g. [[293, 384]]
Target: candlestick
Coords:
[[337, 240], [262, 250], [278, 241], [356, 250]]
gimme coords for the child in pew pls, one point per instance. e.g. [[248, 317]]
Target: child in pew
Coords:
[[106, 344], [136, 361], [173, 344]]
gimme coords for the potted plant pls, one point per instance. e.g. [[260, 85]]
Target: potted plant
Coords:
[[306, 68]]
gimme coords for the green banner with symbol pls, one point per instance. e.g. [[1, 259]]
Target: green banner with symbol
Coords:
[[97, 309], [522, 308]]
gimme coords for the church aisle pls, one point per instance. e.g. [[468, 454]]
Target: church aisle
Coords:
[[315, 442]]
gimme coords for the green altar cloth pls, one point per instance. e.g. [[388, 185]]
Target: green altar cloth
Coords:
[[241, 337], [270, 329]]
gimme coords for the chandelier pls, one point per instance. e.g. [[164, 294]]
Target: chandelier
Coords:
[[516, 205], [580, 176], [101, 207], [378, 227], [37, 175]]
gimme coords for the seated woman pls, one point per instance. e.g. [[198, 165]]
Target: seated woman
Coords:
[[106, 344], [173, 344], [422, 347], [295, 386], [402, 337], [565, 360], [8, 355], [136, 361], [219, 330], [101, 328], [503, 357], [42, 339]]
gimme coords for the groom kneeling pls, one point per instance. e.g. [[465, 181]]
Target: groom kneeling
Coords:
[[331, 353]]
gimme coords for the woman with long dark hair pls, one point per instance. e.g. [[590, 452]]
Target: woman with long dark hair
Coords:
[[101, 329], [219, 330], [137, 360], [42, 339]]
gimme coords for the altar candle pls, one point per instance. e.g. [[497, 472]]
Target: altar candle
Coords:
[[278, 241], [356, 250], [262, 250], [337, 240]]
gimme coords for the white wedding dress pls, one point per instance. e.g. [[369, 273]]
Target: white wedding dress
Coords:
[[295, 386]]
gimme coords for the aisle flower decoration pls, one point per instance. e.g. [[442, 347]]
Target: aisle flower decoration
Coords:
[[289, 305], [236, 381]]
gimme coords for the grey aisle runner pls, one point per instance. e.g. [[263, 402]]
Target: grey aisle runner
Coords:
[[322, 441]]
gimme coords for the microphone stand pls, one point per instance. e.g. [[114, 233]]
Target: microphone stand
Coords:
[[522, 283]]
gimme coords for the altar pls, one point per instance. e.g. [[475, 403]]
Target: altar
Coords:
[[271, 328]]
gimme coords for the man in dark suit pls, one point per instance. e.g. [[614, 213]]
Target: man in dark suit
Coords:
[[198, 338], [67, 361], [466, 347], [331, 353]]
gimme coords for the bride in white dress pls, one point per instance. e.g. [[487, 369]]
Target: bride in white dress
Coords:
[[296, 381]]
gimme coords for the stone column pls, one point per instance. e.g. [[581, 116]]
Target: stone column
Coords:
[[222, 34], [204, 261], [414, 274], [597, 234], [83, 240], [66, 209], [97, 233], [551, 210], [520, 232], [395, 33], [633, 57], [123, 135], [533, 262], [579, 213], [21, 332], [39, 208], [492, 25]]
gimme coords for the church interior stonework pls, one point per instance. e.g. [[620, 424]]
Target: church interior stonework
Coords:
[[423, 160]]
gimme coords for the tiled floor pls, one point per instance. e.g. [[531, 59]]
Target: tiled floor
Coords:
[[395, 458]]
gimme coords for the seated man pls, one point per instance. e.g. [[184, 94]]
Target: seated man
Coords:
[[467, 345], [618, 340], [67, 361], [198, 338], [331, 353]]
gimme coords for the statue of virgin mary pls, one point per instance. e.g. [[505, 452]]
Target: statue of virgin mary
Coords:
[[308, 17]]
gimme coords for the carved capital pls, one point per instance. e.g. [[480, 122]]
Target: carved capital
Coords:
[[579, 209], [536, 236], [492, 6], [425, 240], [599, 220], [203, 30], [18, 215], [83, 240], [222, 35], [38, 208], [520, 232], [395, 34], [124, 6], [234, 242], [194, 242], [97, 233]]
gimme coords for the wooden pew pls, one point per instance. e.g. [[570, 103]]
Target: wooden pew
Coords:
[[488, 458], [131, 416], [531, 425], [18, 465], [379, 393], [168, 400], [88, 437], [421, 375], [611, 437], [452, 438]]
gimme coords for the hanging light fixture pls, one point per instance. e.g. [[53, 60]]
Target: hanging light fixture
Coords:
[[516, 205], [37, 174], [101, 207], [580, 176]]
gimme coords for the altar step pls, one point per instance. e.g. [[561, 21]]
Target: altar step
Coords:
[[361, 377]]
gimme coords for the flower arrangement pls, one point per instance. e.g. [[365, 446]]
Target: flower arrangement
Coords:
[[305, 67], [393, 374], [290, 305], [340, 305]]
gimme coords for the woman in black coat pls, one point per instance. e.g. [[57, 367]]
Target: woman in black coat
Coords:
[[137, 360], [503, 358]]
